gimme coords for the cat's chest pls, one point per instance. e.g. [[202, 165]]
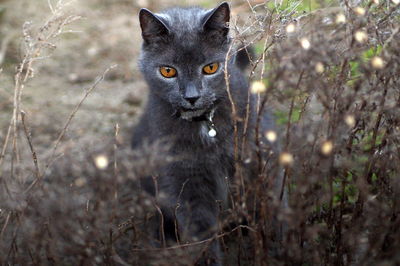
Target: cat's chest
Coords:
[[206, 141]]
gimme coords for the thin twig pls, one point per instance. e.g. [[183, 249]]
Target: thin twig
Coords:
[[67, 124], [71, 116], [29, 139], [3, 229], [197, 242], [231, 100]]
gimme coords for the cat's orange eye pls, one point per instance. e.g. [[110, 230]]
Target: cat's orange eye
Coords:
[[168, 72], [211, 68]]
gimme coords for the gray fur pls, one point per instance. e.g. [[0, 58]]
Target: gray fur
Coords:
[[188, 39]]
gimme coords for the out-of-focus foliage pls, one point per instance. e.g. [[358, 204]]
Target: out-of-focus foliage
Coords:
[[331, 72]]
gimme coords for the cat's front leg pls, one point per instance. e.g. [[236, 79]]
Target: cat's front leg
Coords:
[[197, 219]]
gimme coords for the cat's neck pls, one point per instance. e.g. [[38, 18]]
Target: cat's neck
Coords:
[[167, 123]]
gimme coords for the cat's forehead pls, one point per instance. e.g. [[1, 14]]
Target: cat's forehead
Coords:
[[183, 21], [184, 53], [187, 42], [186, 50]]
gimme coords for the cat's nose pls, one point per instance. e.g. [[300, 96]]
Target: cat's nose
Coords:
[[192, 94], [192, 100]]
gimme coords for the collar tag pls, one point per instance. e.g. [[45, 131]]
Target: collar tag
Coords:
[[211, 132]]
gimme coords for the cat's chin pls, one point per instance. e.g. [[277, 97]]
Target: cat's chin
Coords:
[[194, 115]]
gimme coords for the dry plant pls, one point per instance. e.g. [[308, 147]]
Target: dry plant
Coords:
[[331, 77], [37, 48]]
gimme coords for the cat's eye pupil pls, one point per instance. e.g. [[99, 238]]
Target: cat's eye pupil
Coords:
[[210, 69], [168, 72]]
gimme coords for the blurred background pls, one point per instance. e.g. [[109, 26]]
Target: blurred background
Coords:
[[105, 33], [71, 91]]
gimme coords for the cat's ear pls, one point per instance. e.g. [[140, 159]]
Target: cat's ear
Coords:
[[153, 29], [217, 20]]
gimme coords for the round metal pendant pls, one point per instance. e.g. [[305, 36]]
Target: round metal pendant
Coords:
[[212, 133]]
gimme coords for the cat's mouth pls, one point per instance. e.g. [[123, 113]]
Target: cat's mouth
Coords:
[[194, 114]]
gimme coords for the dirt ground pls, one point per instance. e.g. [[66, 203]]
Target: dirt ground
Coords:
[[106, 34], [331, 74]]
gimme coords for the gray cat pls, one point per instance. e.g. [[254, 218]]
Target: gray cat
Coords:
[[183, 62]]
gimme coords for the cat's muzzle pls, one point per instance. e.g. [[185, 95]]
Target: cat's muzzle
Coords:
[[191, 115]]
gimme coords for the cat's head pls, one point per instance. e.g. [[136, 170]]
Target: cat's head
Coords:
[[183, 57]]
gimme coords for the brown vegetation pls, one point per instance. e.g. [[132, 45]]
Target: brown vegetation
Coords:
[[69, 192]]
